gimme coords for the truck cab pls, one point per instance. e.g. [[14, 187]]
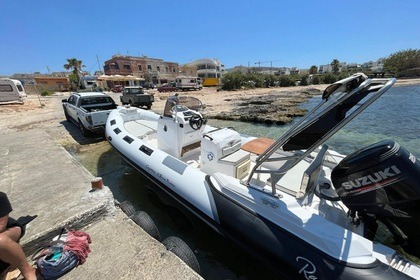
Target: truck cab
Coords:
[[136, 96]]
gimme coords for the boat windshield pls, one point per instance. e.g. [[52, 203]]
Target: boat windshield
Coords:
[[178, 103]]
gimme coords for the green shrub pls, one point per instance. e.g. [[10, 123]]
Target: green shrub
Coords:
[[46, 92], [286, 81], [329, 78], [304, 80], [315, 80], [232, 81]]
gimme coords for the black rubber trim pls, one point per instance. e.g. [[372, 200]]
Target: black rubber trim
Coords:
[[128, 139], [146, 150]]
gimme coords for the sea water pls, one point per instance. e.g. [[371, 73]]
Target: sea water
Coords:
[[393, 116]]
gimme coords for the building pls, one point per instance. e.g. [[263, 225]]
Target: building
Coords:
[[188, 70], [353, 67], [322, 69], [210, 70], [283, 71], [375, 66], [25, 79], [152, 70], [52, 83]]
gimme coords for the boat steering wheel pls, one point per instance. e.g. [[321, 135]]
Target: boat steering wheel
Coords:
[[196, 121]]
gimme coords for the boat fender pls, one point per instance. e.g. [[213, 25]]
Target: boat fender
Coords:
[[177, 246], [143, 219], [127, 207]]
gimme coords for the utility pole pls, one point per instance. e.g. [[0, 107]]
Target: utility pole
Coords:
[[99, 66]]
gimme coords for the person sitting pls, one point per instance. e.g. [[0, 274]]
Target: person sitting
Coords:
[[11, 253]]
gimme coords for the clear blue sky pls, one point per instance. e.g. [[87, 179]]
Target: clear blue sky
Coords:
[[44, 33]]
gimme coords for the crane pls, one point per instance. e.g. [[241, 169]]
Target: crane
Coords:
[[271, 63]]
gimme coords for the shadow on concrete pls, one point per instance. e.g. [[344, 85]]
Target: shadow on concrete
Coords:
[[77, 135]]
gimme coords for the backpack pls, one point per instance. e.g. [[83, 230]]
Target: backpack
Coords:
[[57, 259]]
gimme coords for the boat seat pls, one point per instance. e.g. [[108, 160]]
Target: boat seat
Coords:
[[290, 181], [311, 174], [258, 145], [302, 177], [140, 130]]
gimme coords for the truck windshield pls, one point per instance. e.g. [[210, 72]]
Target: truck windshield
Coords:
[[96, 100], [133, 90]]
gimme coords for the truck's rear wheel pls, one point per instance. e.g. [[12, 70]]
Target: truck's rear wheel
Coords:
[[83, 129]]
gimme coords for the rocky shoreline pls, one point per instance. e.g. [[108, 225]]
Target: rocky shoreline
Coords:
[[276, 107], [263, 105]]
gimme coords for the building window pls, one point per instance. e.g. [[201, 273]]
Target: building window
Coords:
[[173, 70], [126, 67], [140, 68], [149, 67], [158, 68], [166, 69]]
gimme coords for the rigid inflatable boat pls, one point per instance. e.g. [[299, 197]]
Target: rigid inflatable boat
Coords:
[[304, 210]]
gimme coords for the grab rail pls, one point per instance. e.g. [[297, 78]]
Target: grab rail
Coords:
[[336, 99]]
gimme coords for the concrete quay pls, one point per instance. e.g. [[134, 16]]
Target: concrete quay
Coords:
[[41, 178]]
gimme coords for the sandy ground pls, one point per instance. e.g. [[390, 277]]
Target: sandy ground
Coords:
[[46, 112]]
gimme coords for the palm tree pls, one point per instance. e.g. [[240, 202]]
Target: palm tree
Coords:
[[76, 66], [313, 69], [335, 66]]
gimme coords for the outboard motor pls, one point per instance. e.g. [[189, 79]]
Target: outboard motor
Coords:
[[382, 182]]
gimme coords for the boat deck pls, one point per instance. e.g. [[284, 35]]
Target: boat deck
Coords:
[[147, 131]]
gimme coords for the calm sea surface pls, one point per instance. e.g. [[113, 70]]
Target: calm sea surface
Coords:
[[394, 116]]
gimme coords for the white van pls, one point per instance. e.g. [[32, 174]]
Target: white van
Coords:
[[187, 83], [11, 91]]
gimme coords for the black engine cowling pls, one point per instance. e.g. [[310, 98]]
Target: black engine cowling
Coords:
[[382, 181]]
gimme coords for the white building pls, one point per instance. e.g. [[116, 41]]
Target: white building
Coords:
[[210, 70]]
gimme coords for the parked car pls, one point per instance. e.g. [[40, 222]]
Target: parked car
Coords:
[[167, 87], [136, 96], [88, 110], [117, 88], [149, 85]]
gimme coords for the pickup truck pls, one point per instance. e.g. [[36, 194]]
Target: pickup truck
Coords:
[[89, 111], [135, 96]]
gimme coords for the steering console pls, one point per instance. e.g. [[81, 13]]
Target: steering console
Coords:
[[196, 122]]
